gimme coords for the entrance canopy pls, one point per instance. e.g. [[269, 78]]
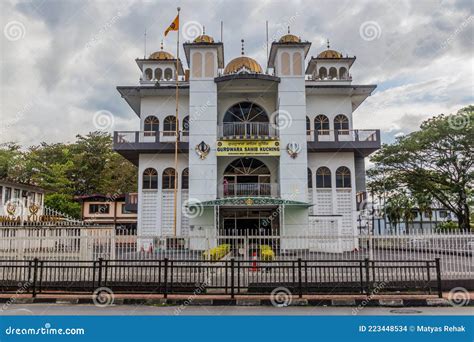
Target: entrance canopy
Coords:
[[248, 202]]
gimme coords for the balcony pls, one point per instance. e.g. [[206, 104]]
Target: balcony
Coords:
[[247, 131], [361, 141], [249, 190], [131, 143]]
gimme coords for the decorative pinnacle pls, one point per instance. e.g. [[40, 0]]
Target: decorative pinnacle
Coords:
[[328, 43], [243, 53], [162, 44], [288, 29], [203, 29]]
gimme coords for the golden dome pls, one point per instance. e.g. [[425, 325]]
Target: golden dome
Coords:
[[161, 55], [243, 62], [289, 38], [330, 54], [204, 38]]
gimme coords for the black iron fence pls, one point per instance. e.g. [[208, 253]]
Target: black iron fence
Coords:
[[230, 277]]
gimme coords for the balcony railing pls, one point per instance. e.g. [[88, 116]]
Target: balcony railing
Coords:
[[249, 189], [124, 137], [356, 135], [247, 130]]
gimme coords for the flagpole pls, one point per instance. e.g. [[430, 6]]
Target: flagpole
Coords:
[[176, 135]]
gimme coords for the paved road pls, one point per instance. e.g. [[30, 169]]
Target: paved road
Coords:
[[135, 310]]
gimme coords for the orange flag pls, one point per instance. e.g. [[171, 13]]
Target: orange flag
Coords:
[[174, 25]]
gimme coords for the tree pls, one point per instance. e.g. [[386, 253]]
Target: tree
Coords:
[[435, 162]]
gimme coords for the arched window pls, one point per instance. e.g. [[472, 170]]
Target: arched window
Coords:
[[323, 178], [342, 73], [323, 73], [285, 63], [245, 119], [297, 69], [150, 179], [148, 74], [321, 125], [209, 64], [308, 126], [247, 177], [169, 126], [196, 64], [343, 177], [341, 124], [151, 125], [186, 126], [332, 73], [168, 74], [158, 74], [185, 179], [169, 175], [310, 179]]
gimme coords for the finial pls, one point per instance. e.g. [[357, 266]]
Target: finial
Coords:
[[203, 29], [162, 44], [328, 43], [288, 29], [179, 9], [243, 53]]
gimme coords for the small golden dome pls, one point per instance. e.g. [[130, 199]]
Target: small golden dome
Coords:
[[289, 38], [330, 54], [243, 63], [204, 38], [161, 55]]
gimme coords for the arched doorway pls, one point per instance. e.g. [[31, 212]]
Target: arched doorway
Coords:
[[245, 119], [246, 177]]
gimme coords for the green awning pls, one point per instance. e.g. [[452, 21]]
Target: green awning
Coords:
[[249, 202]]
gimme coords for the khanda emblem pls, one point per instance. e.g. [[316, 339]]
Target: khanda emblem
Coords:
[[33, 209], [202, 149], [11, 208], [293, 149]]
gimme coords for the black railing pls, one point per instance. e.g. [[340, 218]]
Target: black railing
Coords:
[[231, 277]]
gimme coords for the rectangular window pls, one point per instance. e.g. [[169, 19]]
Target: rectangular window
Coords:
[[40, 199], [16, 193], [8, 194], [124, 210], [443, 214], [99, 208]]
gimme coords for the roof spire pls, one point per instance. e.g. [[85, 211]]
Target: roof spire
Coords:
[[288, 29], [328, 43], [162, 44], [243, 53], [203, 29]]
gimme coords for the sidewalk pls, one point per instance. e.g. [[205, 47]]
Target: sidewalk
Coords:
[[389, 300]]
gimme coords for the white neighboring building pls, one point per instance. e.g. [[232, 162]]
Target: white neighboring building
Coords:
[[260, 153], [19, 199]]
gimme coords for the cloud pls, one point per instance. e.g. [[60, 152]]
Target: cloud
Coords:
[[74, 53]]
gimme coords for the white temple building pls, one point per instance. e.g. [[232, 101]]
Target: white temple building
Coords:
[[266, 152]]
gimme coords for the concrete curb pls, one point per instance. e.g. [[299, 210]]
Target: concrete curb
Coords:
[[428, 302]]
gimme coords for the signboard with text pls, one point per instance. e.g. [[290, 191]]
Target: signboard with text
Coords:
[[248, 148]]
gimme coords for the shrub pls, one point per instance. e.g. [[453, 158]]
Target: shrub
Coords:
[[266, 253], [217, 253]]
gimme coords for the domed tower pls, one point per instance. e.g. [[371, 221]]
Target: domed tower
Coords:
[[242, 64], [160, 66], [330, 66]]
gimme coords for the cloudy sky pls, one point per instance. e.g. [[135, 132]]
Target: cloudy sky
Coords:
[[61, 60]]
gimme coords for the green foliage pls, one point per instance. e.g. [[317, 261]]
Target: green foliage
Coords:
[[87, 166], [434, 164], [64, 204], [448, 225]]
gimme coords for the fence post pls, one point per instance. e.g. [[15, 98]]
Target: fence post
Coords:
[[300, 281], [438, 277], [35, 275], [361, 275], [367, 275], [232, 291], [165, 289], [99, 281]]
